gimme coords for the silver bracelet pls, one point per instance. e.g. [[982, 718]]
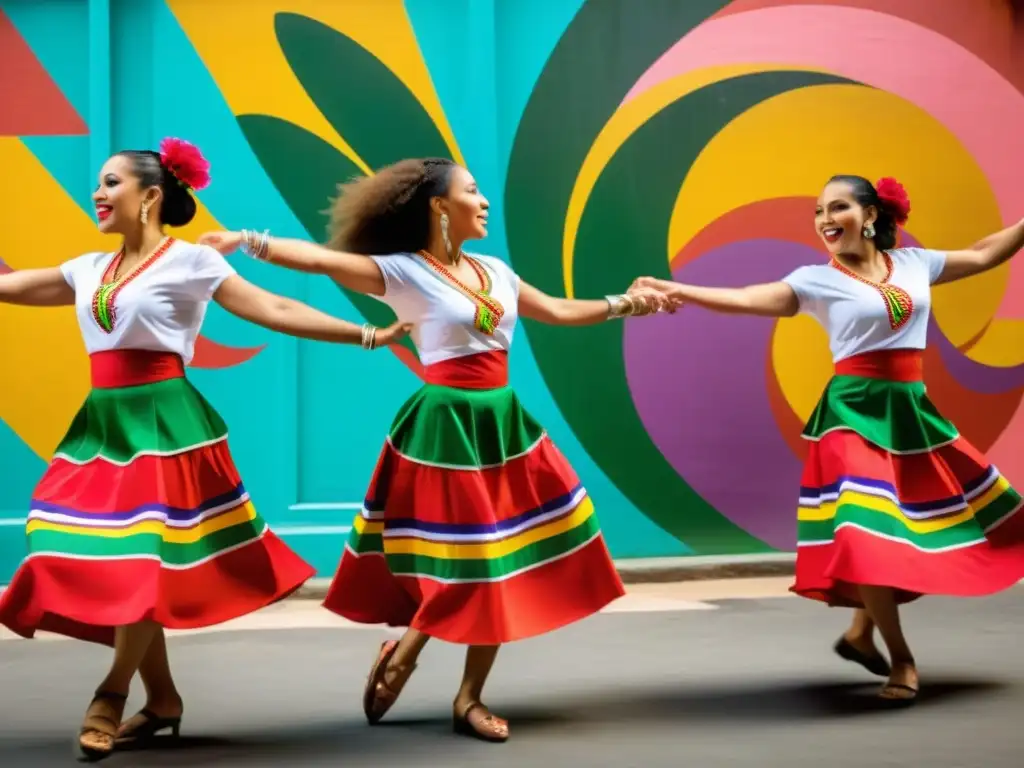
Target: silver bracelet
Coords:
[[620, 305], [256, 246], [369, 337]]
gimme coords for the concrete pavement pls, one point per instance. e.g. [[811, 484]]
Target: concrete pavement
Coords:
[[704, 674]]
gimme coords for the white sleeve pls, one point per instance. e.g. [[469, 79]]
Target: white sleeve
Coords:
[[72, 267], [393, 269], [934, 261], [807, 287], [209, 270]]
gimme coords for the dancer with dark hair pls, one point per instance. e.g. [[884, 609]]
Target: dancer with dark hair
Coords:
[[141, 521], [894, 503], [475, 529]]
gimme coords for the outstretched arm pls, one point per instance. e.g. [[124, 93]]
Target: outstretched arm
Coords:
[[984, 255], [766, 299], [350, 270], [537, 305], [249, 302], [36, 288]]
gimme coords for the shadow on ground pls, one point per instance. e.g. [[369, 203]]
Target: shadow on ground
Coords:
[[424, 739]]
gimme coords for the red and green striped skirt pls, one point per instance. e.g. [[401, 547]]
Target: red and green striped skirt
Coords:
[[893, 496], [142, 515], [475, 528]]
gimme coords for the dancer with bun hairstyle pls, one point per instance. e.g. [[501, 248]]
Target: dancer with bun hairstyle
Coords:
[[141, 521], [475, 529], [894, 503]]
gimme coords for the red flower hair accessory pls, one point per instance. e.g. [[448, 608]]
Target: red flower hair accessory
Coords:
[[185, 162], [895, 199]]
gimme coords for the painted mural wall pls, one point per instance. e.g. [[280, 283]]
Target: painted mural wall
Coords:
[[613, 137]]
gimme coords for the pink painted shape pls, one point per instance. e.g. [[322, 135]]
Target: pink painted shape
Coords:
[[975, 103]]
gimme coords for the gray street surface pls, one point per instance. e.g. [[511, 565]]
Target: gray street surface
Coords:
[[691, 675]]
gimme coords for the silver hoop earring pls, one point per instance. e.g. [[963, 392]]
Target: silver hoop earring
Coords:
[[444, 234], [869, 231]]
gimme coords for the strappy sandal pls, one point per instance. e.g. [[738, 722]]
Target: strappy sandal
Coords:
[[145, 733], [378, 696], [875, 664], [486, 728], [92, 726]]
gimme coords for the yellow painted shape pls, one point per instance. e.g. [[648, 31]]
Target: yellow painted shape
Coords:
[[1002, 346], [237, 43], [791, 144], [623, 124], [45, 370], [801, 361]]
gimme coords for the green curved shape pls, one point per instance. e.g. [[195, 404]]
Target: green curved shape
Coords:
[[543, 166], [306, 170], [617, 222], [580, 88], [365, 102]]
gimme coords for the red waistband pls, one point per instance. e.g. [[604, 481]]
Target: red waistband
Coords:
[[486, 370], [132, 367], [892, 364]]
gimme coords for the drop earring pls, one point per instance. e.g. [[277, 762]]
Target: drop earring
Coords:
[[869, 231], [144, 216], [444, 236]]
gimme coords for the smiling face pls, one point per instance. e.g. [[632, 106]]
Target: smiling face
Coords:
[[465, 206], [840, 220], [119, 196]]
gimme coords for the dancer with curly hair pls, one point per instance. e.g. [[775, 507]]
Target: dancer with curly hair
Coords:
[[141, 522], [475, 529], [894, 503]]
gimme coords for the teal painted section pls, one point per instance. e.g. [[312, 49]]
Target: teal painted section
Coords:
[[21, 469]]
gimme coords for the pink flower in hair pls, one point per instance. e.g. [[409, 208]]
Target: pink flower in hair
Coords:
[[895, 198], [185, 162]]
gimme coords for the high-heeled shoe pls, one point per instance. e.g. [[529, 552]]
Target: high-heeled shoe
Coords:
[[88, 753], [145, 733]]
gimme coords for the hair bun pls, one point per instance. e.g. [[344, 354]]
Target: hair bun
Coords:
[[185, 162], [894, 197]]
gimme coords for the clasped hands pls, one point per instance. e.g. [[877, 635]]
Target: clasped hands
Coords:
[[654, 296]]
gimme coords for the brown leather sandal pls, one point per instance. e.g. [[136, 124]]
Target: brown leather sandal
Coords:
[[378, 696], [486, 727], [100, 729], [897, 695]]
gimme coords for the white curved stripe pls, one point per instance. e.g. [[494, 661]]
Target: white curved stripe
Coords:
[[887, 450], [466, 538], [153, 558], [814, 502], [125, 463], [101, 521], [529, 450], [496, 580]]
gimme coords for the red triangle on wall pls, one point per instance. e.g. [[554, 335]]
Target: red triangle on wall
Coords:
[[32, 104]]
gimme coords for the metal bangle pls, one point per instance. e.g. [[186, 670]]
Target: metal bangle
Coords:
[[369, 341], [256, 246], [619, 305]]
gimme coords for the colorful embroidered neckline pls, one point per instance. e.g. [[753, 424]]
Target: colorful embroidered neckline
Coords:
[[898, 303], [489, 310], [104, 301]]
